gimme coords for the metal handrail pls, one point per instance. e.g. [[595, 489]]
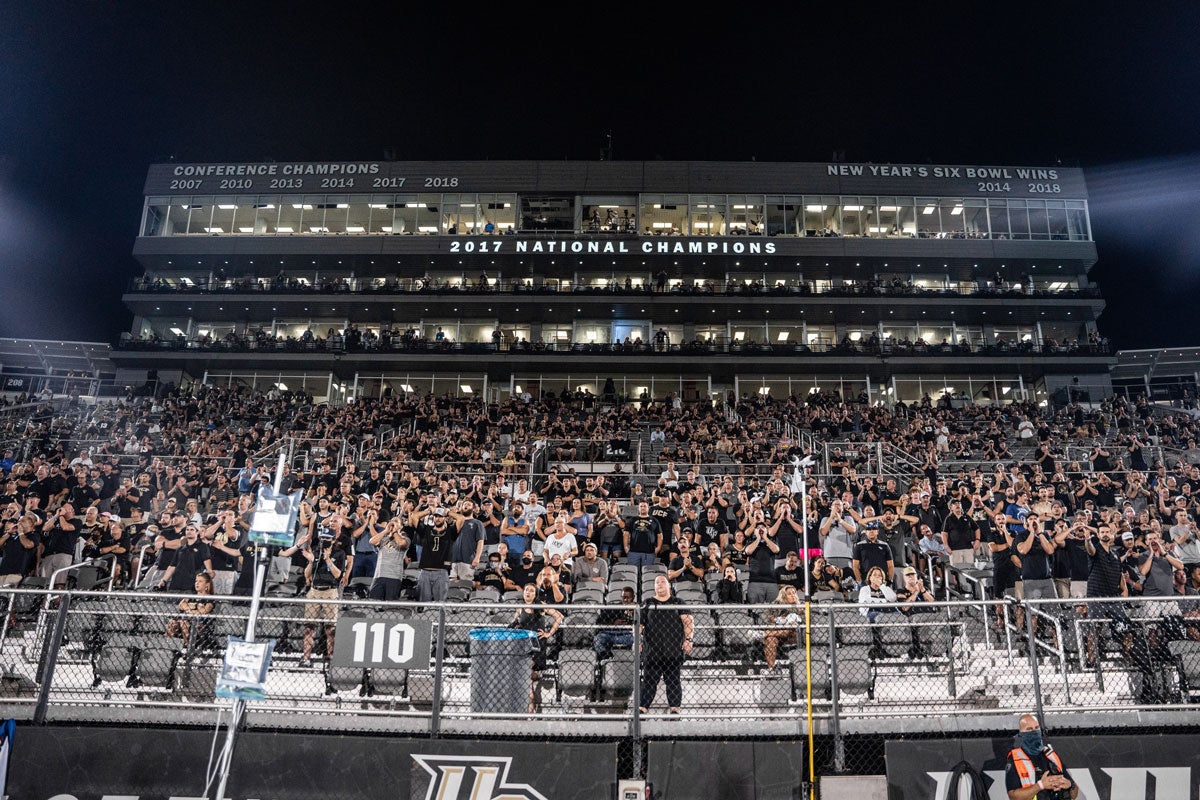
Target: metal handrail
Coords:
[[87, 562]]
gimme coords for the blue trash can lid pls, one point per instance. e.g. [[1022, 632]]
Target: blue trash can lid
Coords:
[[499, 634]]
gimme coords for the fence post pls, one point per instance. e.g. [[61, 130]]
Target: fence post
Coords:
[[435, 719], [635, 720], [50, 650], [839, 747], [1030, 632]]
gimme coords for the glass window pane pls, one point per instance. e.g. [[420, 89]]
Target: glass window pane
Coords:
[[998, 219], [821, 216], [663, 215], [337, 209], [853, 217], [708, 215], [746, 215], [1018, 219], [200, 216], [312, 214], [785, 216], [1039, 228]]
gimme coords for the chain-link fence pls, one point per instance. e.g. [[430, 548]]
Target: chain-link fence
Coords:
[[636, 659]]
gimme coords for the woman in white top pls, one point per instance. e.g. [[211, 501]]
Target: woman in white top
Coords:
[[876, 590], [787, 614], [561, 541]]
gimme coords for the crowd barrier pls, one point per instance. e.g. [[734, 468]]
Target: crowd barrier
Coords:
[[481, 666]]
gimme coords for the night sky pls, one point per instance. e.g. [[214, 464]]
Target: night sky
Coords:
[[92, 93]]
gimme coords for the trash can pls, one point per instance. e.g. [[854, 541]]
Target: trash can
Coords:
[[501, 667]]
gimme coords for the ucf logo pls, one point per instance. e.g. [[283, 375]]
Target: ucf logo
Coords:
[[473, 778]]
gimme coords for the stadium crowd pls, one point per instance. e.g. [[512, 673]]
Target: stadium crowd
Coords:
[[419, 496]]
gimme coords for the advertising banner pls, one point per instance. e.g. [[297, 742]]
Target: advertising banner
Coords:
[[725, 770], [1105, 767], [134, 764]]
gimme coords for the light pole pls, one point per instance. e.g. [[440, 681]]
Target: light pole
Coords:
[[799, 485]]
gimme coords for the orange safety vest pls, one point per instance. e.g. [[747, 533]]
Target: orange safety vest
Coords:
[[1024, 765]]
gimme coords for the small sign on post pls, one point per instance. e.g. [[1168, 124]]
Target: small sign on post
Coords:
[[274, 521], [244, 670]]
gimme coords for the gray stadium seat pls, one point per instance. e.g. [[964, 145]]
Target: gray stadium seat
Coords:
[[576, 673], [387, 681], [616, 675], [579, 628], [343, 679], [738, 631]]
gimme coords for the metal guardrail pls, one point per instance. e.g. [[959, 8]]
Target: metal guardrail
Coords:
[[752, 670]]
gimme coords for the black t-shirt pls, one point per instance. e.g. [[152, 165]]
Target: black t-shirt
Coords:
[[322, 575], [166, 556], [1035, 565], [687, 574], [490, 579], [189, 562], [222, 561], [711, 531], [18, 559], [60, 540], [787, 538], [662, 629], [762, 563], [960, 531], [870, 554], [790, 577], [1104, 577], [522, 575], [643, 534], [435, 545], [108, 540], [1001, 557], [82, 496], [667, 518]]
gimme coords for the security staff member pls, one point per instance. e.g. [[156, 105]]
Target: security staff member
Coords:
[[1033, 769]]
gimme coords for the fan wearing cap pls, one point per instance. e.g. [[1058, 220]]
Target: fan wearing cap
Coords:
[[166, 544], [589, 568], [435, 538]]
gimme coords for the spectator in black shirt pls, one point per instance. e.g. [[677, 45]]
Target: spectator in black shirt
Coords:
[[729, 590], [114, 542], [683, 566], [227, 544], [1105, 579], [495, 576], [666, 640], [18, 545], [436, 538], [614, 627], [82, 495], [873, 553], [761, 552], [192, 558], [791, 573], [59, 535], [326, 566], [525, 572]]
